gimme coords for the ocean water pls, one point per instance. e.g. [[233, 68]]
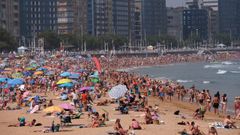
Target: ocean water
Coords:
[[218, 76]]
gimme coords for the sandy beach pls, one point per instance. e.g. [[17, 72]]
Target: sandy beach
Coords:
[[52, 77], [166, 110]]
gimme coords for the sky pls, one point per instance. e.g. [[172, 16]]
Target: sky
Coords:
[[175, 3]]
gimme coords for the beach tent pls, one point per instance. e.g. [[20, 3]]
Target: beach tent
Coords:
[[221, 45], [22, 49], [118, 91], [150, 47]]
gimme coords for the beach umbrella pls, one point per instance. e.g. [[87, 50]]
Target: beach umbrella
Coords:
[[38, 73], [4, 79], [67, 106], [53, 109], [67, 85], [50, 73], [75, 82], [118, 91], [65, 74], [27, 73], [86, 88], [16, 81], [74, 76], [42, 69], [95, 80], [94, 75], [30, 68], [35, 65], [17, 75], [62, 81]]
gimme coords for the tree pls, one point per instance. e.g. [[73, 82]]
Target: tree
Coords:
[[7, 41], [167, 40], [223, 38], [51, 39]]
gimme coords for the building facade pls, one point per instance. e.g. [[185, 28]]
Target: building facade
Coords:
[[72, 17], [154, 17], [212, 7], [175, 22], [229, 18], [37, 16], [195, 23], [9, 16]]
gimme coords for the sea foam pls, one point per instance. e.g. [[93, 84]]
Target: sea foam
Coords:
[[220, 72]]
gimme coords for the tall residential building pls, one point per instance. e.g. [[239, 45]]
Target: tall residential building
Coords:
[[154, 17], [195, 23], [212, 8], [103, 17], [9, 16], [213, 4], [37, 16], [72, 17], [137, 23], [110, 17], [174, 25], [229, 18]]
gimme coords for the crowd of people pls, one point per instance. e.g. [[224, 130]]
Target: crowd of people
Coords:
[[25, 79]]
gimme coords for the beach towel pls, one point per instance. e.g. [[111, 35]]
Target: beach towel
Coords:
[[216, 124], [35, 108]]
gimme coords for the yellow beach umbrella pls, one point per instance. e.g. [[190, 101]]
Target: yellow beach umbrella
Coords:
[[17, 75], [53, 109], [38, 73], [62, 81]]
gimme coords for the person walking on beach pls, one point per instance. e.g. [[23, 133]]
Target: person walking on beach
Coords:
[[215, 102], [224, 103]]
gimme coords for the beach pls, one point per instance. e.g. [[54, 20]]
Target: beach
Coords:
[[166, 112], [110, 78]]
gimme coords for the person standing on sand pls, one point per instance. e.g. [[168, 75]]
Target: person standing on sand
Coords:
[[215, 102], [118, 127], [237, 106], [224, 103], [208, 100]]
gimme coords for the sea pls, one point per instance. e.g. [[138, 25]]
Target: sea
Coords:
[[221, 76]]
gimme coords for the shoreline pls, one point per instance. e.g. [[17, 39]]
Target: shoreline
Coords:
[[230, 109]]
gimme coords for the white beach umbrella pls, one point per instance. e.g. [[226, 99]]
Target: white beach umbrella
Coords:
[[118, 91]]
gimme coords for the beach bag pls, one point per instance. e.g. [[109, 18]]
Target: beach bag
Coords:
[[156, 122]]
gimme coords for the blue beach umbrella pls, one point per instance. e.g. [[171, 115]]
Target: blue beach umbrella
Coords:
[[67, 85], [42, 69], [65, 74], [50, 73], [74, 76], [14, 82], [4, 79], [27, 73]]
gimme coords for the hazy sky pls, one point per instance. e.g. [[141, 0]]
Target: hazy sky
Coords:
[[175, 3]]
